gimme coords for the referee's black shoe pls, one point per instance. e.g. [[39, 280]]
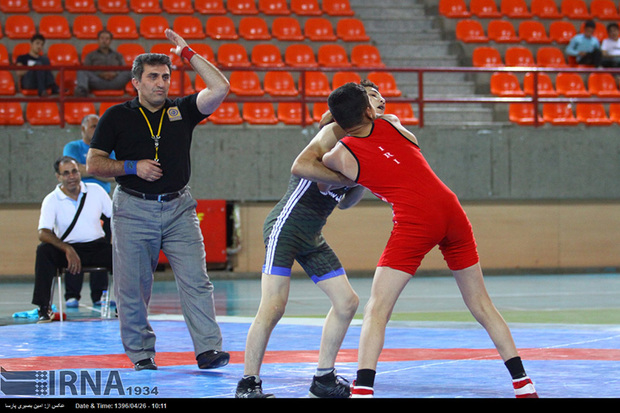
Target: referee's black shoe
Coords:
[[212, 359]]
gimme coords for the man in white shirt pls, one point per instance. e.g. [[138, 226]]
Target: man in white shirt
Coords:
[[83, 245], [611, 47]]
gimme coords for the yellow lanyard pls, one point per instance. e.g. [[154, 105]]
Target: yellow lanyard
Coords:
[[157, 137]]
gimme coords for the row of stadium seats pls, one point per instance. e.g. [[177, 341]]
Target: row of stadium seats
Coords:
[[547, 56], [519, 9], [256, 113], [237, 7], [603, 85], [566, 114], [22, 26]]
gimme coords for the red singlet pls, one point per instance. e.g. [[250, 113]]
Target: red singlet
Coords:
[[426, 212]]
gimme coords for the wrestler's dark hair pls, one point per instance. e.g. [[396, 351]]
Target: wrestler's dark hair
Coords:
[[151, 59], [348, 104]]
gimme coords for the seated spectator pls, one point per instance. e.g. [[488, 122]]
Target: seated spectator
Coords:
[[88, 80], [42, 80], [611, 47], [585, 47], [64, 245]]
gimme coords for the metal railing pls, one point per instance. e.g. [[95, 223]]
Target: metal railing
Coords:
[[420, 101]]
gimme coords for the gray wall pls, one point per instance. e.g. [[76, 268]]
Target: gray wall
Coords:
[[252, 164]]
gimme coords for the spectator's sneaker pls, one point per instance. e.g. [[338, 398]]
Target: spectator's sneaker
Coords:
[[249, 388], [45, 315], [212, 359], [146, 364], [72, 303], [524, 388], [361, 392], [329, 386]]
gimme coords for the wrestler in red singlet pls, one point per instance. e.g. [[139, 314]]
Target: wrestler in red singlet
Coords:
[[426, 212]]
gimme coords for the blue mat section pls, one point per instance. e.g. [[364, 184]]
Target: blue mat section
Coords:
[[571, 378]]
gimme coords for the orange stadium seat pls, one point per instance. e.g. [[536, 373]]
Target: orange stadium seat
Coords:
[[300, 55], [404, 111], [287, 29], [559, 114], [54, 26], [603, 85], [14, 6], [280, 84], [113, 6], [67, 83], [337, 8], [254, 28], [614, 112], [122, 27], [561, 31], [227, 113], [189, 27], [484, 9], [306, 7], [351, 30], [519, 56], [47, 6], [316, 84], [486, 56], [550, 56], [604, 10], [43, 113], [515, 9], [175, 84], [592, 114], [575, 9], [545, 85], [523, 114], [145, 6], [470, 31], [319, 29], [4, 55], [18, 50], [63, 54], [506, 84], [103, 106], [456, 9], [18, 26], [545, 9], [177, 6], [333, 55], [164, 48], [7, 83], [245, 83], [75, 111], [80, 6], [232, 54], [274, 7], [86, 49], [571, 85], [204, 50], [318, 110], [221, 28], [210, 6], [290, 113], [502, 31], [87, 26], [259, 113], [266, 55], [366, 55], [533, 31], [385, 82], [340, 78], [153, 27], [130, 51], [11, 113], [242, 7]]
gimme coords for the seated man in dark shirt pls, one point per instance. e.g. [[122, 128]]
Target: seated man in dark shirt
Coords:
[[42, 80]]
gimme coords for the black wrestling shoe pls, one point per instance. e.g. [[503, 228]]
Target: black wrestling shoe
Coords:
[[212, 359], [249, 388], [330, 386], [146, 364], [45, 315]]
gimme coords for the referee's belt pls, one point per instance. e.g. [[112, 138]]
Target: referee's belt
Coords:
[[153, 197]]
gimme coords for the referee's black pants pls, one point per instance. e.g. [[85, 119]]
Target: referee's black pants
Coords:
[[50, 259]]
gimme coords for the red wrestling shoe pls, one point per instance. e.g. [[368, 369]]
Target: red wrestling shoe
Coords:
[[524, 388]]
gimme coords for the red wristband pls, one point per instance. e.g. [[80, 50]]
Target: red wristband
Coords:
[[187, 53]]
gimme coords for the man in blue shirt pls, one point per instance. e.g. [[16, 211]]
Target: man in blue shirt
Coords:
[[585, 47], [79, 148]]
